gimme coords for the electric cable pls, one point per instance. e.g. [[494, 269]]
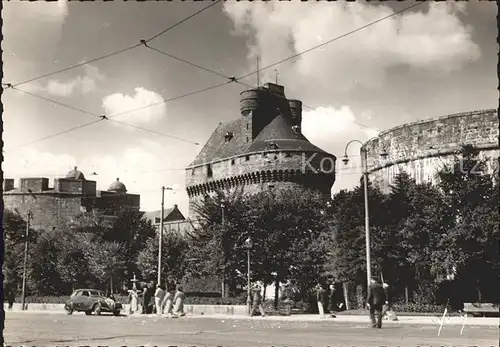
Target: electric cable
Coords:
[[104, 117], [123, 50], [54, 102], [332, 40]]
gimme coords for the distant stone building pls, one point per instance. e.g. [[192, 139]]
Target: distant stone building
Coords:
[[422, 148], [173, 220], [56, 206], [263, 149]]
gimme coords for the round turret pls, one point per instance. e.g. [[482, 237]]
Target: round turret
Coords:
[[250, 101], [117, 187], [75, 175]]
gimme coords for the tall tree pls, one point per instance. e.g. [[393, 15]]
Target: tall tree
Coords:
[[174, 253], [470, 242]]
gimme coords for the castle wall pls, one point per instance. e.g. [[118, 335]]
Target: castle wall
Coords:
[[48, 210], [261, 171], [423, 147]]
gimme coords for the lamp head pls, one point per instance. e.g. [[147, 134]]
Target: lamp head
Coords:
[[345, 159], [248, 243]]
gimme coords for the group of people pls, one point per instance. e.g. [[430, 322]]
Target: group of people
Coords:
[[326, 296], [379, 301], [159, 299]]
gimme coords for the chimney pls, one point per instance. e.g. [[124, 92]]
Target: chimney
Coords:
[[296, 109], [175, 206]]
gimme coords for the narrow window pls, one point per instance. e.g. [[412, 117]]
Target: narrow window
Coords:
[[247, 158], [209, 171], [232, 161]]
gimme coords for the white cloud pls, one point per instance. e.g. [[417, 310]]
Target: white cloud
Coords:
[[435, 40], [330, 128], [118, 103], [83, 84]]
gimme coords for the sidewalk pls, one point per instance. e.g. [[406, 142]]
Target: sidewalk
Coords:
[[418, 320]]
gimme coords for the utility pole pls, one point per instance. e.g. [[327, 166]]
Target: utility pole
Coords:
[[23, 295], [223, 281], [162, 217], [258, 72], [367, 217]]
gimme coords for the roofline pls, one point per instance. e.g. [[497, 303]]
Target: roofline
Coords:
[[430, 120], [258, 152], [206, 143]]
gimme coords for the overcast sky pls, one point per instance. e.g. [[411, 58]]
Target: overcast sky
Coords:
[[433, 60]]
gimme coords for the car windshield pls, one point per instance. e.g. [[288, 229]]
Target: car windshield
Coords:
[[95, 293]]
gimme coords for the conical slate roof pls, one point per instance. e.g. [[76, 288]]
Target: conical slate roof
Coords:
[[281, 133]]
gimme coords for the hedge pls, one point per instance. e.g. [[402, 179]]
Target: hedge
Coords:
[[241, 300]]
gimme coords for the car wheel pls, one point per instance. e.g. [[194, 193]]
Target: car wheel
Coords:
[[97, 309], [116, 312], [88, 312], [69, 311]]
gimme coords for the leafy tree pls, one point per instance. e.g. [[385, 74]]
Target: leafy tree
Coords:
[[105, 259], [349, 252], [174, 252], [470, 239], [288, 229], [292, 236], [14, 227], [44, 279], [214, 246]]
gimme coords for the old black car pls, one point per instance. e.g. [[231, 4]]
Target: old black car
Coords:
[[91, 300]]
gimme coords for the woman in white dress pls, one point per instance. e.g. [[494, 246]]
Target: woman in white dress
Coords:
[[159, 294], [167, 303], [133, 299], [179, 297]]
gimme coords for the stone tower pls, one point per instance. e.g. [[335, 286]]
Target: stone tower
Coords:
[[262, 149]]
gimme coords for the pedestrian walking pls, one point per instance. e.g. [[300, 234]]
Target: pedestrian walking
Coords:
[[133, 298], [167, 303], [388, 310], [375, 302], [332, 300], [159, 294], [146, 298], [257, 302], [11, 295], [179, 298], [320, 298]]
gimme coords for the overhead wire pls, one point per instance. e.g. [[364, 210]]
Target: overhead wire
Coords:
[[123, 50], [109, 118], [230, 79], [332, 40], [233, 79]]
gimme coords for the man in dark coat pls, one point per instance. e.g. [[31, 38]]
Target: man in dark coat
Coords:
[[375, 302], [147, 296], [332, 299]]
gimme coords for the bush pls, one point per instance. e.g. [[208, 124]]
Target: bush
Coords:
[[419, 308], [200, 300]]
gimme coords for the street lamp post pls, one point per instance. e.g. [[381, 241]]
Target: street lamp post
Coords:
[[364, 159], [248, 246], [160, 236], [223, 223]]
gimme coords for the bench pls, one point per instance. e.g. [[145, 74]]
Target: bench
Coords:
[[473, 309]]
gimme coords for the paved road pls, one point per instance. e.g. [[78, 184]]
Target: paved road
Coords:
[[45, 329]]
